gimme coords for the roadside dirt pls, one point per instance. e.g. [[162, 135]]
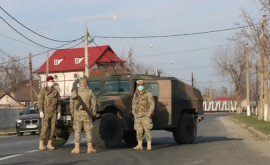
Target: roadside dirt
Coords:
[[236, 130]]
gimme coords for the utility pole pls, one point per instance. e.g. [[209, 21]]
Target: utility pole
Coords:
[[130, 62], [265, 55], [262, 106], [86, 51], [31, 79], [211, 94], [192, 79], [257, 89], [247, 79], [47, 66]]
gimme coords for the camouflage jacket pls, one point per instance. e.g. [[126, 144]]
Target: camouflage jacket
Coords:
[[143, 104], [88, 98], [49, 100]]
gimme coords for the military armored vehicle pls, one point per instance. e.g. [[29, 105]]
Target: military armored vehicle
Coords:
[[178, 106]]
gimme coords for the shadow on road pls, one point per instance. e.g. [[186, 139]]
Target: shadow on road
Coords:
[[203, 139]]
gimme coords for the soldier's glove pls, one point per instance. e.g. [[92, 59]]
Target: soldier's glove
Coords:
[[58, 116], [41, 115]]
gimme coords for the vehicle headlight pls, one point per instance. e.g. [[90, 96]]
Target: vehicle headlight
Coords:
[[18, 121]]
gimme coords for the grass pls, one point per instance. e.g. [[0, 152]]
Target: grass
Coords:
[[8, 130], [252, 121]]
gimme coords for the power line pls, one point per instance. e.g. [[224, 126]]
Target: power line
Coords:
[[44, 52], [172, 35], [183, 51], [32, 40], [34, 31], [17, 40]]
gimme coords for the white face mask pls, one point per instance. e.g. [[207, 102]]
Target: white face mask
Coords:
[[50, 84]]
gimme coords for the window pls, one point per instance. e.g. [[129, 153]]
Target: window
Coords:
[[153, 88], [116, 87], [57, 61], [78, 60], [94, 86], [31, 110]]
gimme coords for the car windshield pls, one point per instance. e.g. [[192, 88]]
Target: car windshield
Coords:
[[30, 110], [116, 87]]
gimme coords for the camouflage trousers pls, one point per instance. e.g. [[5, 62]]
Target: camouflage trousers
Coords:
[[143, 124], [48, 117], [82, 122]]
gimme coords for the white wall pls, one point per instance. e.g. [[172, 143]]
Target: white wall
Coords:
[[7, 100], [65, 81]]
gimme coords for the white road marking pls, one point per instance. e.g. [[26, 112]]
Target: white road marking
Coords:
[[73, 142], [196, 162], [31, 151], [11, 156]]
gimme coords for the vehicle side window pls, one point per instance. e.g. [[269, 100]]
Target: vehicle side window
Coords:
[[94, 86], [123, 87], [116, 87], [153, 88]]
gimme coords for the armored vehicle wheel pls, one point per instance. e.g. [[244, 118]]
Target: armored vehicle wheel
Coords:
[[61, 137], [186, 130], [130, 137], [107, 131]]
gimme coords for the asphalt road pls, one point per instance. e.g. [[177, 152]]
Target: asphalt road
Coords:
[[214, 145]]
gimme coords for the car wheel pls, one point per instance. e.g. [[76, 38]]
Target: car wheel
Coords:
[[108, 131], [186, 130], [130, 137], [33, 132], [61, 137], [18, 133]]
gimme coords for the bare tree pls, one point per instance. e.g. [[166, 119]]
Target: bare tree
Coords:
[[229, 63], [12, 71]]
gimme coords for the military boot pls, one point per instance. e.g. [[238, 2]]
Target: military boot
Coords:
[[149, 145], [139, 146], [41, 145], [49, 145], [76, 149], [90, 148]]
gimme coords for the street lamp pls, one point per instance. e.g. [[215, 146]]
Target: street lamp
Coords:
[[156, 72], [86, 42]]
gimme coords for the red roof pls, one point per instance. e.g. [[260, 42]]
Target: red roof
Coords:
[[225, 99], [100, 54]]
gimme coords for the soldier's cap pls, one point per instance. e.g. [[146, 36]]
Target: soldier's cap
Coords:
[[49, 78], [82, 80], [140, 82]]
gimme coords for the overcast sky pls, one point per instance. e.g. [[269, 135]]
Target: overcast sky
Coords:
[[65, 20]]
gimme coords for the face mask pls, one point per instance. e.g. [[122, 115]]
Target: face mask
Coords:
[[50, 84], [141, 88]]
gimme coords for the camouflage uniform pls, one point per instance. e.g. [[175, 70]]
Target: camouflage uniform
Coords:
[[142, 107], [81, 117], [49, 104]]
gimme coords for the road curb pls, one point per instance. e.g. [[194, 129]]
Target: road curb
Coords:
[[7, 133], [258, 133]]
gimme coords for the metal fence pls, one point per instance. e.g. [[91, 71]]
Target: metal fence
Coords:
[[8, 118]]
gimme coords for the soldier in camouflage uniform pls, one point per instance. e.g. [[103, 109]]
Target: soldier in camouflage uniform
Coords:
[[142, 108], [82, 119], [49, 105]]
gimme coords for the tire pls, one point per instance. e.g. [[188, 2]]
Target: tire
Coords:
[[107, 131], [186, 130], [61, 137], [18, 133], [33, 132], [130, 137]]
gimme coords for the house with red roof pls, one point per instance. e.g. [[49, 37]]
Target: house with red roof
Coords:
[[67, 65]]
